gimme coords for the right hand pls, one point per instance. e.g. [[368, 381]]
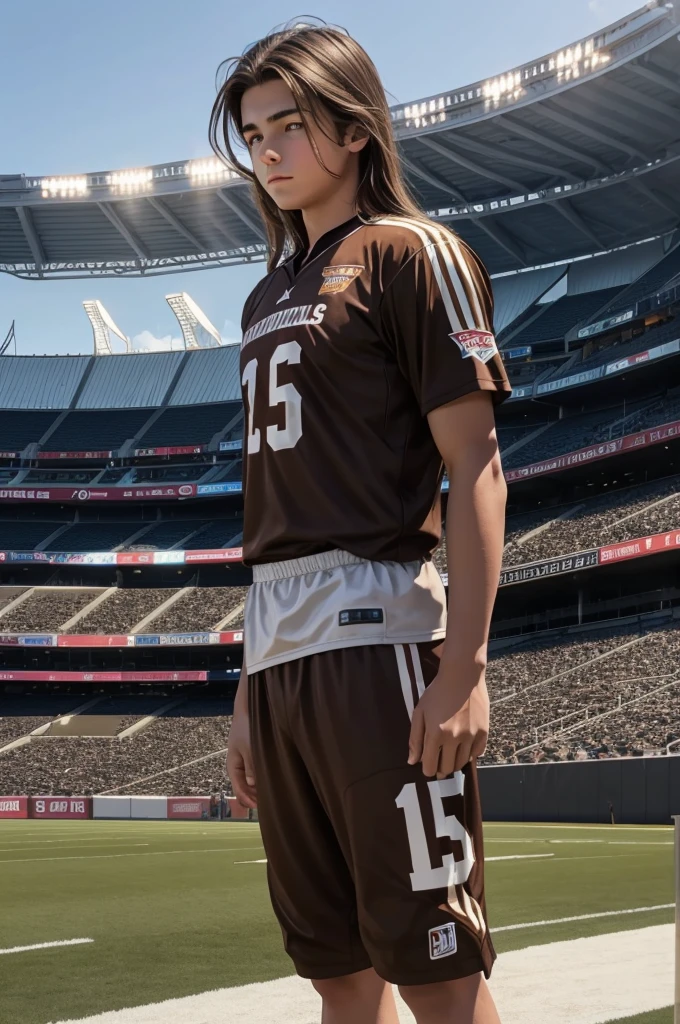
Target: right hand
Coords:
[[240, 758]]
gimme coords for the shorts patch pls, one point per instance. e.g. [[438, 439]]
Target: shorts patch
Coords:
[[442, 941], [480, 344]]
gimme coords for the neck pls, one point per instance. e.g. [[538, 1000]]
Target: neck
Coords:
[[326, 215]]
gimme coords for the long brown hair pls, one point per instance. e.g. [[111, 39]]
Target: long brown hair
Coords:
[[326, 71]]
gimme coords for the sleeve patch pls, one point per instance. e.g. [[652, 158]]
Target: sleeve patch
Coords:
[[480, 344]]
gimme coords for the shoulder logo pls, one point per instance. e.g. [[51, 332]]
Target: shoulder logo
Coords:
[[442, 941], [480, 344], [336, 279]]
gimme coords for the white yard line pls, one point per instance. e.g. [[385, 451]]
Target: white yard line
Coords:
[[582, 917], [45, 945], [600, 828], [521, 856], [113, 856], [591, 980]]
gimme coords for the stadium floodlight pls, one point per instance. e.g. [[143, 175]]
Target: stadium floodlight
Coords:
[[103, 327], [203, 171], [63, 188], [10, 337], [197, 330], [133, 180]]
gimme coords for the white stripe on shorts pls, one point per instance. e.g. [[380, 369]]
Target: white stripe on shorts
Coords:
[[404, 678]]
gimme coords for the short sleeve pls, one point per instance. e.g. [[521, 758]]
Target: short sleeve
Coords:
[[437, 314]]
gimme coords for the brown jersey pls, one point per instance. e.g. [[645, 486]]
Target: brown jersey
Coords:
[[344, 354]]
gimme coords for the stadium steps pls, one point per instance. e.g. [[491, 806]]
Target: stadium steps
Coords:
[[38, 732], [614, 652], [51, 429], [134, 537], [66, 626], [529, 437], [233, 614], [127, 448], [562, 734], [163, 607], [148, 720], [42, 546], [11, 605], [543, 527]]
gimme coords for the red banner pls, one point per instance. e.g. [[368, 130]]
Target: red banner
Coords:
[[188, 806], [60, 807], [234, 637], [592, 453], [93, 640], [640, 546], [74, 455], [185, 449], [13, 806], [85, 494], [214, 555], [134, 557], [43, 676]]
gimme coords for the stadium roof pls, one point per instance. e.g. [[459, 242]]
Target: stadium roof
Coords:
[[573, 153]]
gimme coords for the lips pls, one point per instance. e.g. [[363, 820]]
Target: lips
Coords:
[[278, 177]]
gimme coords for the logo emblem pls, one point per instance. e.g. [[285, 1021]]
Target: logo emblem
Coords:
[[285, 296], [480, 344], [336, 279], [442, 941]]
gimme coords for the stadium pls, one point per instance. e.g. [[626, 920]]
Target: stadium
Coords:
[[122, 588]]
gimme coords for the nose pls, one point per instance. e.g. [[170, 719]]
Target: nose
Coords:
[[269, 157]]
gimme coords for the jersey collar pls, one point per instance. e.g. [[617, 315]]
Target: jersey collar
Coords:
[[299, 261]]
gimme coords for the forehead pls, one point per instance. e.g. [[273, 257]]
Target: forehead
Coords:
[[261, 101]]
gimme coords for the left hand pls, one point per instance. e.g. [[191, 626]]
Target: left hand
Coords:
[[446, 732]]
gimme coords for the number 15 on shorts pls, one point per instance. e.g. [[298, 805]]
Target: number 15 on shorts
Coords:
[[451, 872]]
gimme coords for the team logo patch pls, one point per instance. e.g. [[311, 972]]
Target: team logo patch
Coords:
[[336, 279], [480, 344], [442, 941]]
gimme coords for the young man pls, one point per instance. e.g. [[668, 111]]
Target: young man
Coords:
[[368, 366]]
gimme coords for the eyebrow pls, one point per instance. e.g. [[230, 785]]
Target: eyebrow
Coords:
[[271, 119]]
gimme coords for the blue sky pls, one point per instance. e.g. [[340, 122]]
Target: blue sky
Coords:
[[92, 87]]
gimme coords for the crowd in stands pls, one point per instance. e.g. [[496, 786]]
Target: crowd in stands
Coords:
[[199, 608], [45, 609], [122, 610], [156, 760], [606, 519], [545, 696]]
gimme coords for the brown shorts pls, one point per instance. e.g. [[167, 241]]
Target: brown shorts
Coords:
[[368, 862]]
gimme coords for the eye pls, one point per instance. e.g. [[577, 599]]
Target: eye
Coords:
[[252, 139], [294, 124]]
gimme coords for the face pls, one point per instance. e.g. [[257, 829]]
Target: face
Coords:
[[281, 151]]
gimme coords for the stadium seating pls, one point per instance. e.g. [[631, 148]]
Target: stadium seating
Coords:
[[662, 273], [122, 610], [96, 431], [96, 536], [180, 425], [45, 609], [217, 534], [564, 435], [17, 429], [606, 519], [169, 474], [24, 536], [559, 317], [542, 692], [165, 535], [198, 609], [182, 739]]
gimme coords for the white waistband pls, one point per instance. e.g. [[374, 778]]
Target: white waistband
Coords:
[[300, 566]]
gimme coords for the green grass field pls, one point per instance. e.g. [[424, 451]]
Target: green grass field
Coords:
[[173, 912]]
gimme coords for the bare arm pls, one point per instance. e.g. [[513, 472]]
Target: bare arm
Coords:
[[451, 721], [465, 435]]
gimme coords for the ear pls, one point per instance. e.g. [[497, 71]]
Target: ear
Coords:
[[356, 137]]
